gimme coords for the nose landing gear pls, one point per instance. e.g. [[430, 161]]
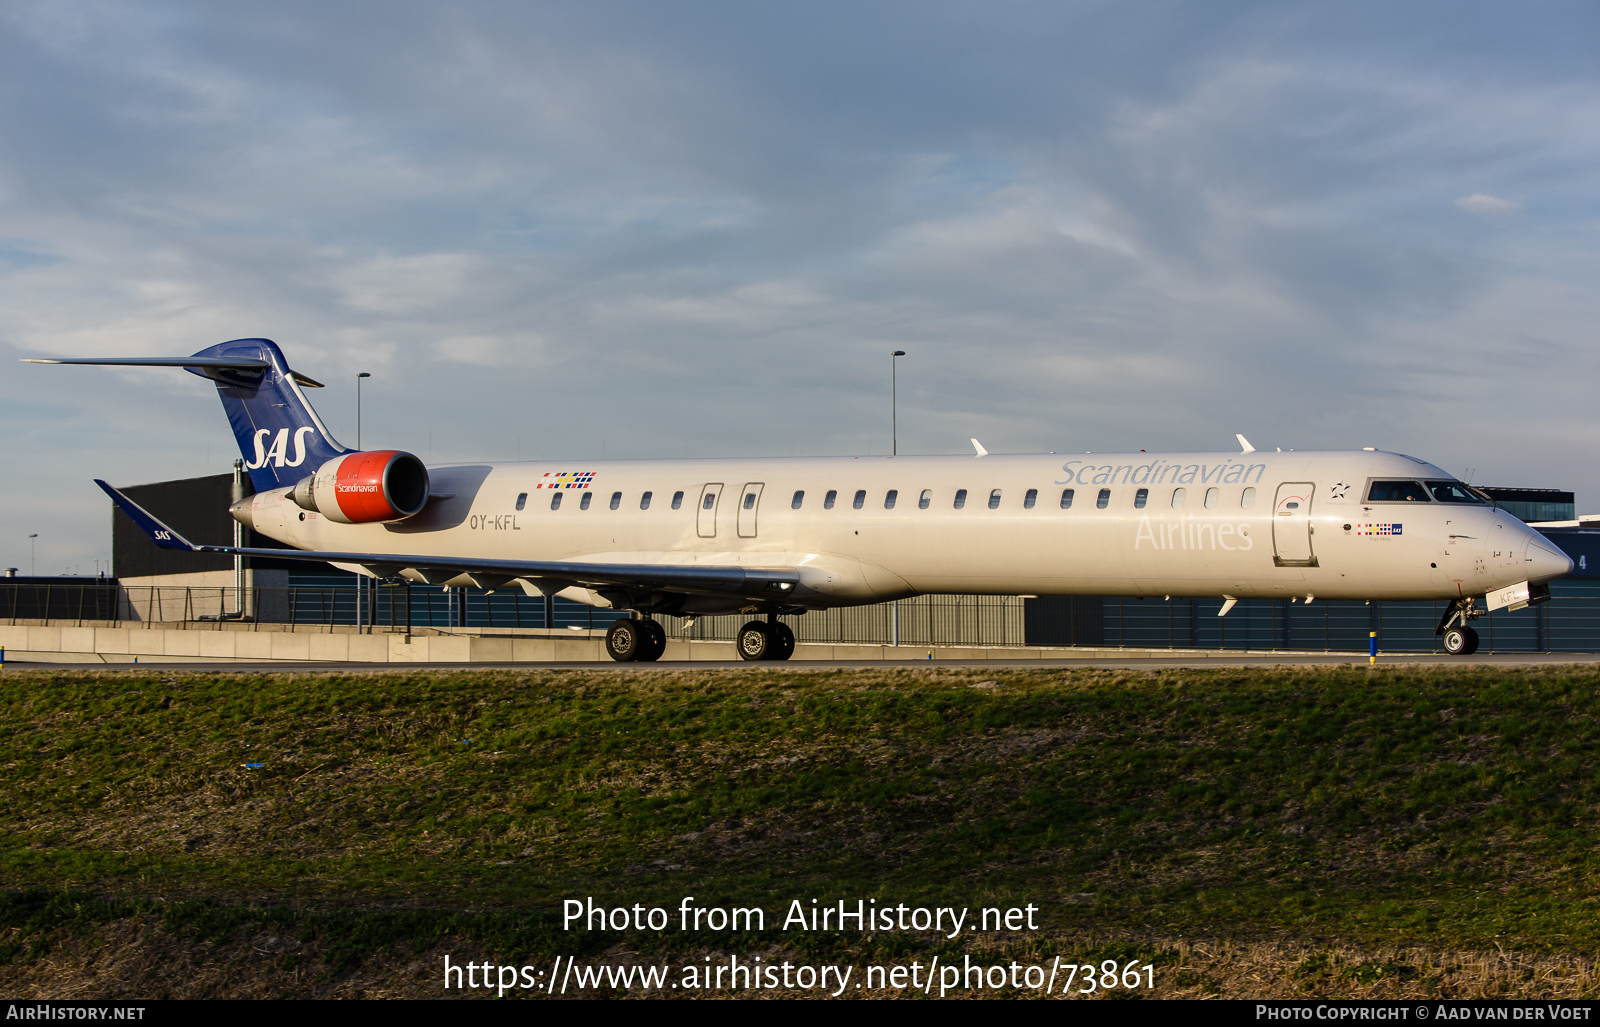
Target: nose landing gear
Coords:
[[1459, 639]]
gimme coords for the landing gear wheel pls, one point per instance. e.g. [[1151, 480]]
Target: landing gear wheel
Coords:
[[782, 640], [625, 640], [655, 642], [1461, 641], [754, 642]]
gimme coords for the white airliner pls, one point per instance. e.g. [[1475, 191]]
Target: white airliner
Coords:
[[780, 537]]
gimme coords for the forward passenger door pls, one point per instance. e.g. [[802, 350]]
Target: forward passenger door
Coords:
[[1291, 525]]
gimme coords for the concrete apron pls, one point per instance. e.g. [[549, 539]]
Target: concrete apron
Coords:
[[171, 645]]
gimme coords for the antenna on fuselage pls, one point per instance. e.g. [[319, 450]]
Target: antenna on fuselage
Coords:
[[1244, 444]]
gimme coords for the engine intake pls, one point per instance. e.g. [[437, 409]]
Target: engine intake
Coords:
[[364, 488]]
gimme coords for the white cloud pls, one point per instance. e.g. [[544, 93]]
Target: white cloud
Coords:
[[1483, 203]]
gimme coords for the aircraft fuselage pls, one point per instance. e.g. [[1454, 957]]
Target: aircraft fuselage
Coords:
[[1241, 525]]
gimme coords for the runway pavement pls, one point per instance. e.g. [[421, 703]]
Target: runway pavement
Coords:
[[1177, 661]]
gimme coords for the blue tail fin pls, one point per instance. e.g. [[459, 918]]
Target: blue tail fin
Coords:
[[281, 438]]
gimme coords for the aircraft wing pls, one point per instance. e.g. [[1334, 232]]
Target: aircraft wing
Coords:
[[769, 583]]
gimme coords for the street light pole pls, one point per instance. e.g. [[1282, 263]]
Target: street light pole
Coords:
[[30, 553], [894, 412], [360, 376], [894, 450]]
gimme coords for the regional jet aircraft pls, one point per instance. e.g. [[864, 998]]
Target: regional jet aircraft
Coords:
[[774, 538]]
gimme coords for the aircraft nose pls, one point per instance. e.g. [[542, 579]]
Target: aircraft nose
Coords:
[[1545, 562]]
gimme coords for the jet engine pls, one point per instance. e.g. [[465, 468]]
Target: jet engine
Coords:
[[367, 487]]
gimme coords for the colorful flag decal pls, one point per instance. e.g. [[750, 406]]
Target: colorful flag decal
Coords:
[[1378, 529], [566, 480]]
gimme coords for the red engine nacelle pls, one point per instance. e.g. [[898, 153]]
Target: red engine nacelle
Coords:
[[362, 488]]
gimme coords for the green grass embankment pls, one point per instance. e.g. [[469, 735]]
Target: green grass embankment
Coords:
[[1435, 810]]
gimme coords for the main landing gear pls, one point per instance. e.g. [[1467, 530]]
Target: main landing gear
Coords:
[[630, 641], [1459, 639], [765, 641]]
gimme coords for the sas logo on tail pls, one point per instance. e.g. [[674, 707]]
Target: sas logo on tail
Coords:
[[276, 453]]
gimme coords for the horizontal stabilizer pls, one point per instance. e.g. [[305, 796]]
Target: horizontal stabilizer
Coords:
[[200, 364]]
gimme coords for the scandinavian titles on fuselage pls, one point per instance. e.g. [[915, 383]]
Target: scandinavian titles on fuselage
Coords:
[[1160, 472]]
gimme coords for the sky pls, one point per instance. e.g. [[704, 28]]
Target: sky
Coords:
[[597, 230]]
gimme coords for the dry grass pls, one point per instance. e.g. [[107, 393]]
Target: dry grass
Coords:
[[136, 959]]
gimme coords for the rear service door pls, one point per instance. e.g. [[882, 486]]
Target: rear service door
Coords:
[[1291, 525], [749, 502], [706, 512]]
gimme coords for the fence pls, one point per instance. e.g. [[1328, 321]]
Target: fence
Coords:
[[923, 620], [1569, 623], [95, 599]]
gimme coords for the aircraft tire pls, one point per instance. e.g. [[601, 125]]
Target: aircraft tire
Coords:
[[754, 642], [624, 640], [782, 640], [1462, 641], [655, 641]]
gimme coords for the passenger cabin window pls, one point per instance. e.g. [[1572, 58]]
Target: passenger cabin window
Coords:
[[1248, 500], [1178, 496], [961, 498], [1029, 498], [925, 499], [889, 498], [1397, 492], [860, 500], [1140, 498], [994, 500], [616, 500], [711, 500], [555, 501], [644, 501], [583, 504], [1066, 499], [749, 500], [1104, 500], [522, 500], [1444, 492], [799, 497], [1211, 499], [677, 500], [827, 500]]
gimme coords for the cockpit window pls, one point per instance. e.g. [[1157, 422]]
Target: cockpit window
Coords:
[[1452, 492], [1397, 492]]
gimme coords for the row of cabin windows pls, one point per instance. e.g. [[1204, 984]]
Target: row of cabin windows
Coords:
[[1030, 499], [616, 500]]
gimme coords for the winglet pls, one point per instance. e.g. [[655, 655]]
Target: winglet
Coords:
[[1244, 444], [979, 447], [159, 533]]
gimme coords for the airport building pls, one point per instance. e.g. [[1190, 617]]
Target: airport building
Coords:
[[159, 586]]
